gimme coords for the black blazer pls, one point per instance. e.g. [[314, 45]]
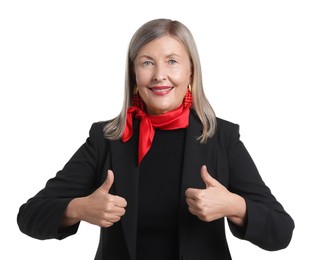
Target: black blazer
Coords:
[[268, 225]]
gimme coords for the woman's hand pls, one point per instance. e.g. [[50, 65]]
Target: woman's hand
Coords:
[[215, 201], [99, 208]]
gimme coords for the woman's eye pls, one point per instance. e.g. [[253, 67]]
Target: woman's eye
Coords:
[[172, 61], [147, 63]]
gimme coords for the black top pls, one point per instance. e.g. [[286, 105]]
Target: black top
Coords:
[[159, 193], [268, 225]]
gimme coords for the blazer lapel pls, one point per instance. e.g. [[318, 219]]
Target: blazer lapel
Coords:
[[196, 154], [126, 172]]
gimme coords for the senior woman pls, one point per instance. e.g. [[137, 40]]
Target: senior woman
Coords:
[[161, 178]]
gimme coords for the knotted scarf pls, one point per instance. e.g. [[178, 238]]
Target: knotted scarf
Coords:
[[171, 120]]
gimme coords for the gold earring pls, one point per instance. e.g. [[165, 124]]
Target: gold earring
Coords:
[[135, 90], [190, 87]]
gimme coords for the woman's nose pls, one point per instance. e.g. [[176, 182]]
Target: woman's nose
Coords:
[[160, 73]]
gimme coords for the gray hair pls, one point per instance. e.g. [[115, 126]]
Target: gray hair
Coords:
[[148, 32]]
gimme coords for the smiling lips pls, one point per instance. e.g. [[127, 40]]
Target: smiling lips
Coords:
[[161, 90]]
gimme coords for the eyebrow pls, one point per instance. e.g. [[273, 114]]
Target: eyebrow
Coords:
[[145, 56], [168, 56], [173, 55]]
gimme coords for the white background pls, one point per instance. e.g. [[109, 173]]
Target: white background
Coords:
[[62, 68]]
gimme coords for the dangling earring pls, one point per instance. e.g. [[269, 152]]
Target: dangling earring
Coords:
[[187, 102], [190, 87], [136, 99]]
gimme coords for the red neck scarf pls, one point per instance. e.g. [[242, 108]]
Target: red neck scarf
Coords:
[[171, 120]]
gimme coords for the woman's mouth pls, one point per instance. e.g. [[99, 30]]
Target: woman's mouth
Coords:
[[161, 90]]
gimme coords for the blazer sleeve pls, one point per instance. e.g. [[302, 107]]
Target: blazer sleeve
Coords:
[[40, 216], [268, 225]]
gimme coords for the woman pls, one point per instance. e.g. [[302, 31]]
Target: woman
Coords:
[[160, 178]]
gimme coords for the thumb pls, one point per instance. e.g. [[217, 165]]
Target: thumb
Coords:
[[206, 177], [108, 182]]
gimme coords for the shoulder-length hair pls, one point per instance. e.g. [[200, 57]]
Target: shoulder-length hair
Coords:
[[148, 32]]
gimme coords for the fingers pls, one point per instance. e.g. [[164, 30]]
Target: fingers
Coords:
[[109, 220], [103, 208], [209, 203], [192, 193], [114, 211], [198, 199], [117, 201]]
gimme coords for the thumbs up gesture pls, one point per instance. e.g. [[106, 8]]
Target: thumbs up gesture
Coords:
[[215, 201], [99, 208], [104, 209]]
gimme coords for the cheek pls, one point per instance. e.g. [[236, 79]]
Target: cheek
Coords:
[[181, 79], [142, 78], [182, 74]]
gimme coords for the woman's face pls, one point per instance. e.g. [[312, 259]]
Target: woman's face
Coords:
[[163, 73]]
